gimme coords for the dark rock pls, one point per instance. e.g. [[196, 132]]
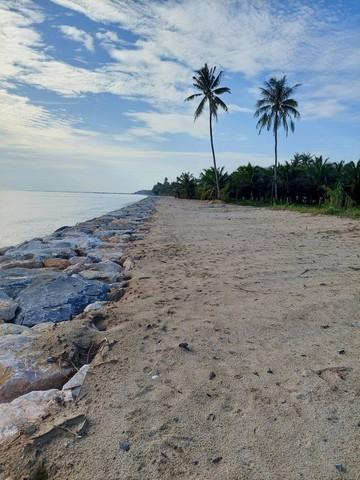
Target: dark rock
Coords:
[[212, 375], [13, 281], [269, 370], [341, 351], [58, 299], [217, 460], [124, 446], [340, 468], [185, 346]]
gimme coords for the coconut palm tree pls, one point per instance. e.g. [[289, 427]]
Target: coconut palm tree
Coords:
[[274, 109], [186, 185], [207, 182], [208, 85]]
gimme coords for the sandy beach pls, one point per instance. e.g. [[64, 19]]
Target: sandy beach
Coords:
[[234, 354]]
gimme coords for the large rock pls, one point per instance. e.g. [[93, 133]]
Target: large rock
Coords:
[[58, 299], [107, 271], [7, 307], [14, 280], [24, 367], [21, 264], [38, 250], [13, 329], [26, 410], [59, 263], [75, 240]]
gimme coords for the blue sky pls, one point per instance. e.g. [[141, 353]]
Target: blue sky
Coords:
[[91, 91]]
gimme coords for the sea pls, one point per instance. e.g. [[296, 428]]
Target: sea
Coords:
[[25, 215]]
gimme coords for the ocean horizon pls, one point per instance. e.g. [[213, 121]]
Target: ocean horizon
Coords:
[[25, 214]]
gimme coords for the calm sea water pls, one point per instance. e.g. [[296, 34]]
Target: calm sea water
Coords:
[[24, 215]]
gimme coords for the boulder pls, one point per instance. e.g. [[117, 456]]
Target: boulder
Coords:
[[7, 307], [58, 299], [59, 263], [24, 367], [38, 250], [26, 410], [109, 252], [12, 329], [21, 264], [14, 280], [107, 271]]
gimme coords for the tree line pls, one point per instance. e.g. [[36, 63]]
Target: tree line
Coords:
[[305, 179]]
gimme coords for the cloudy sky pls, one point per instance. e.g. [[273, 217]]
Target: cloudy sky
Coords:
[[92, 91]]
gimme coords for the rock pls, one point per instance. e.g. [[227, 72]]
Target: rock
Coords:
[[185, 346], [115, 294], [356, 324], [124, 446], [109, 252], [12, 329], [38, 250], [58, 299], [73, 386], [23, 367], [128, 264], [25, 410], [7, 307], [96, 306], [60, 263], [212, 375], [77, 264], [14, 280], [107, 271], [21, 264], [340, 468]]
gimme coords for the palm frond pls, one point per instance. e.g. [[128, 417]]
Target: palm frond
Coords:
[[220, 103], [221, 90], [191, 97], [200, 108]]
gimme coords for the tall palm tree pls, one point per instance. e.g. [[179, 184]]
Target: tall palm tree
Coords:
[[275, 108], [208, 84]]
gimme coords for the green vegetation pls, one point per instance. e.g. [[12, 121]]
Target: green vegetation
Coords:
[[306, 183]]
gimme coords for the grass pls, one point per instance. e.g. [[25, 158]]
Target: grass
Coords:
[[353, 212]]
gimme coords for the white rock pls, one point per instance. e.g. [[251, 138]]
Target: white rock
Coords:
[[75, 383], [95, 306], [13, 329], [26, 409]]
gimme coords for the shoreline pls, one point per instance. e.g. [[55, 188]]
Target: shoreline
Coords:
[[52, 292], [39, 214]]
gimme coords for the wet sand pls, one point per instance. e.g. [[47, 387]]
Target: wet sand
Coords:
[[268, 384]]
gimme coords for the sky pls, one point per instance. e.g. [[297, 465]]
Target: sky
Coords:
[[92, 91]]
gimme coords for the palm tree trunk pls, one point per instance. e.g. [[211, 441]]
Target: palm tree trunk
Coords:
[[276, 162], [214, 160]]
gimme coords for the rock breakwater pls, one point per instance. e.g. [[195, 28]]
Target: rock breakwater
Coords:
[[44, 283]]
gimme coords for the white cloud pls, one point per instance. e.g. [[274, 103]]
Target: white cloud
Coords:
[[158, 124], [77, 35], [237, 108]]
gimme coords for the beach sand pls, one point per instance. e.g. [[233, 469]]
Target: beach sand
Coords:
[[269, 387]]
